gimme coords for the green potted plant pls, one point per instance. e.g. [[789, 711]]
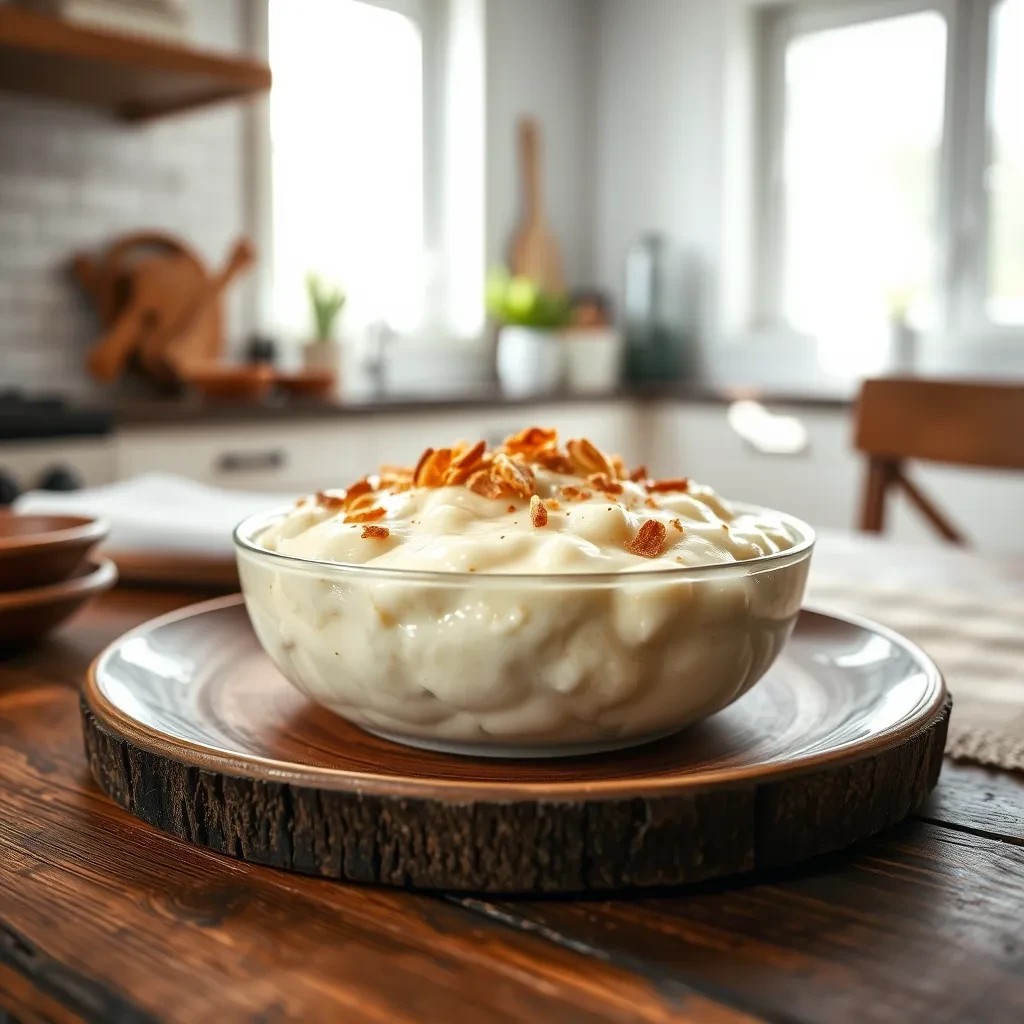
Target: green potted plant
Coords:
[[531, 320], [326, 302]]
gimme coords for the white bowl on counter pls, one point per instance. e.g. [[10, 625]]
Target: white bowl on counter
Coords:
[[593, 360], [530, 361], [508, 665]]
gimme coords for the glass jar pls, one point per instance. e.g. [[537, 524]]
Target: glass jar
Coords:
[[657, 320]]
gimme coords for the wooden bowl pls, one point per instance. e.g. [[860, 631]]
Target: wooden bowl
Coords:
[[223, 382], [28, 615], [306, 383], [36, 550]]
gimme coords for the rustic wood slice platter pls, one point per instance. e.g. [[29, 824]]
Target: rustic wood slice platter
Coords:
[[190, 727]]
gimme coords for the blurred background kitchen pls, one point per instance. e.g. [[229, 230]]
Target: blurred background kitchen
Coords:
[[687, 229]]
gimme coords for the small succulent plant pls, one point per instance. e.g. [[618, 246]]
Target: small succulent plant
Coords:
[[326, 301]]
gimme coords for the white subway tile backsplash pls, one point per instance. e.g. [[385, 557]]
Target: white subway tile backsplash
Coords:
[[71, 179]]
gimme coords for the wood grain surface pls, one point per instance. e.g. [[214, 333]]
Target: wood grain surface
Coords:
[[895, 920], [129, 76], [103, 918], [171, 569], [113, 921], [190, 727]]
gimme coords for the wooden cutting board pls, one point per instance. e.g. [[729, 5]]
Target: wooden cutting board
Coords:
[[197, 335], [161, 308], [534, 253], [144, 281]]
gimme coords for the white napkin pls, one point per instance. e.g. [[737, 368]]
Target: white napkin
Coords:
[[158, 512]]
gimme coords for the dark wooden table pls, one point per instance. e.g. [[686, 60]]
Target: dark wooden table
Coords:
[[105, 919]]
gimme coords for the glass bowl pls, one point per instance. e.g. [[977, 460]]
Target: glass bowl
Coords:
[[509, 665]]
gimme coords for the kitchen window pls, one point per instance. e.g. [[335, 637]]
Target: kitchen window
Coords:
[[363, 153], [1004, 180], [893, 156]]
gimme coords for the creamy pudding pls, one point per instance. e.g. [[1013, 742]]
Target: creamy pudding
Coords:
[[534, 598]]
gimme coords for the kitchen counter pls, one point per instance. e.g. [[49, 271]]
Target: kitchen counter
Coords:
[[48, 418], [190, 411], [51, 418], [297, 447]]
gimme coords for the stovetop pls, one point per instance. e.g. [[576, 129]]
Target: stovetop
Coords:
[[26, 416]]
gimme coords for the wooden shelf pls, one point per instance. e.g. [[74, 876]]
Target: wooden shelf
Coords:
[[133, 78]]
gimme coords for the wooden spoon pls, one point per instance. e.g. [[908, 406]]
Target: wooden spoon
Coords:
[[534, 251], [185, 341]]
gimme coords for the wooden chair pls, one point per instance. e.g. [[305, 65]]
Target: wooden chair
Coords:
[[958, 423]]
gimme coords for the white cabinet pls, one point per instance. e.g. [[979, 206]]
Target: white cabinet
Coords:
[[262, 457], [92, 460], [332, 452], [822, 484], [616, 426]]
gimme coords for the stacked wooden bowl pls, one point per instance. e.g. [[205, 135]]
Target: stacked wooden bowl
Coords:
[[47, 573]]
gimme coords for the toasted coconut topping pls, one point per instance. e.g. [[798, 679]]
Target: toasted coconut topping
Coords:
[[330, 501], [360, 489], [661, 486], [534, 502], [486, 484], [396, 482], [538, 512], [431, 470], [508, 472], [571, 493], [554, 461], [361, 501], [586, 457], [517, 476], [531, 440], [464, 464], [417, 473], [365, 517], [602, 482], [648, 540]]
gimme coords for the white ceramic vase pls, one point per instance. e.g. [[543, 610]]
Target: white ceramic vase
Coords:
[[902, 346], [531, 361], [593, 360]]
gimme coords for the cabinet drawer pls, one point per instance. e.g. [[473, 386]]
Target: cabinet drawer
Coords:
[[294, 458], [617, 427], [91, 460], [285, 458]]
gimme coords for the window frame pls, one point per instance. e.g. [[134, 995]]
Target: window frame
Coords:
[[961, 276], [433, 19]]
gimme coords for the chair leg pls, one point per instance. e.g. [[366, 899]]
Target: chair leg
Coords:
[[872, 509], [929, 510]]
